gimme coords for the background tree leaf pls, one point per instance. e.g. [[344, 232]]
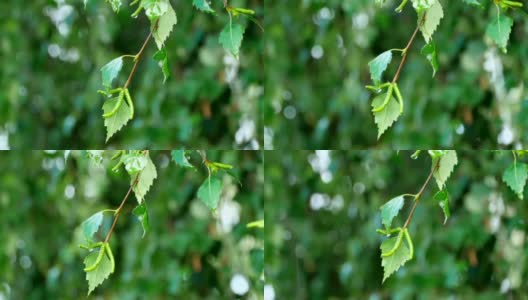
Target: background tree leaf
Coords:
[[180, 158], [209, 192], [515, 177]]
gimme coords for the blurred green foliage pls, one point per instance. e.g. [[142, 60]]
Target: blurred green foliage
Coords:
[[51, 53], [322, 243], [317, 55], [189, 253]]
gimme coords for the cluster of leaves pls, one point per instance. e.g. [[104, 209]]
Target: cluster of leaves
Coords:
[[395, 253], [100, 262], [388, 104], [118, 109]]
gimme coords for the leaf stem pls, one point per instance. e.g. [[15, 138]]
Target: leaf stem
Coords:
[[419, 195], [405, 50], [137, 57]]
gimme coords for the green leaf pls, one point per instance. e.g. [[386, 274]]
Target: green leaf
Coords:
[[110, 71], [114, 123], [141, 213], [447, 164], [209, 192], [385, 118], [391, 209], [257, 260], [203, 5], [392, 263], [145, 180], [421, 5], [434, 14], [473, 2], [178, 156], [163, 62], [115, 4], [231, 38], [515, 177], [429, 51], [154, 9], [442, 197], [91, 225], [499, 31], [97, 276], [166, 23], [378, 65], [134, 162]]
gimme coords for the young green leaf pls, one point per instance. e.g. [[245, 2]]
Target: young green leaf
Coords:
[[231, 38], [165, 25], [391, 209], [101, 272], [393, 262], [115, 122], [432, 19], [515, 177], [145, 180], [203, 5], [163, 62], [110, 71], [499, 30], [134, 162], [446, 166], [429, 51], [443, 200], [378, 65], [209, 192], [421, 5], [386, 117], [141, 213], [91, 225], [178, 156], [154, 9]]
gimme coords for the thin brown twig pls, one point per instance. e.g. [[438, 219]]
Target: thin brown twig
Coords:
[[419, 195], [118, 210], [405, 50], [138, 56]]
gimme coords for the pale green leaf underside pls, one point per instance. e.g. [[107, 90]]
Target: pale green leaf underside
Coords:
[[97, 276], [392, 263], [390, 210], [429, 51], [163, 62], [443, 201], [231, 38], [434, 14], [378, 65], [110, 71], [385, 118], [515, 177], [165, 26], [209, 192], [91, 225], [145, 180], [446, 166], [114, 123]]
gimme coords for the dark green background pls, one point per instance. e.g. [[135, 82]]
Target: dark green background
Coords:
[[184, 256], [51, 103], [334, 253]]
